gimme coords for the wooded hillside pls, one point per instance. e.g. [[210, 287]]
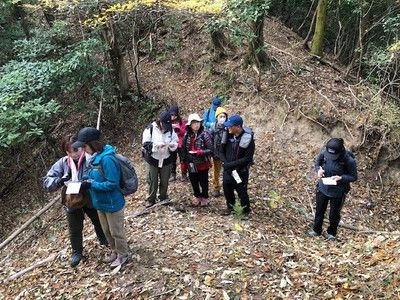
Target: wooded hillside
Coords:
[[64, 58]]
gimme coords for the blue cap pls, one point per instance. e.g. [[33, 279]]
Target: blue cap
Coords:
[[216, 101], [234, 120]]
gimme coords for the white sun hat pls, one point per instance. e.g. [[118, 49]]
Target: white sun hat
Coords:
[[194, 117]]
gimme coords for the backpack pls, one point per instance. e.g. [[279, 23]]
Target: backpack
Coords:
[[129, 181], [147, 146]]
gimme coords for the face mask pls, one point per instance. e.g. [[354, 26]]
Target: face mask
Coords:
[[221, 119]]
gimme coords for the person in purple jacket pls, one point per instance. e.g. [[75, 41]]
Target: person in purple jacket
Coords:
[[73, 166]]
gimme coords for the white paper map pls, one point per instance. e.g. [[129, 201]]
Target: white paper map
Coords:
[[73, 187], [328, 181]]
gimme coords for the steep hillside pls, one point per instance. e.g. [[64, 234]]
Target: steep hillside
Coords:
[[181, 252]]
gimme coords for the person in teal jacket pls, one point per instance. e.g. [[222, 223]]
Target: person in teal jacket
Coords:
[[209, 114], [102, 181]]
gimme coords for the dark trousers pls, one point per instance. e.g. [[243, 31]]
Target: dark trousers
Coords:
[[75, 225], [174, 158], [183, 166], [334, 212], [229, 185], [199, 181]]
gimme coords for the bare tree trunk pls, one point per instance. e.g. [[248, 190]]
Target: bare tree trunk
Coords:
[[20, 16], [319, 33], [256, 53], [117, 59]]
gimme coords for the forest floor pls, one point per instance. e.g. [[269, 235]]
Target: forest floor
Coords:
[[183, 252]]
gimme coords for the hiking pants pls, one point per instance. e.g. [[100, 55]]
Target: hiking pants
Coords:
[[75, 219], [157, 179], [216, 172], [334, 212], [113, 226], [174, 158], [199, 181], [230, 185]]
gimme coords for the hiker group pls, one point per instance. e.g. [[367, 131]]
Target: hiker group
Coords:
[[213, 142], [94, 179]]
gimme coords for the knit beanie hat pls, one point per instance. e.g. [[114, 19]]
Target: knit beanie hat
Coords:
[[174, 110], [216, 101], [220, 110]]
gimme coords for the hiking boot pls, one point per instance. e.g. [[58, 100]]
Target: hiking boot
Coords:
[[172, 178], [196, 201], [110, 257], [330, 237], [311, 232], [226, 212], [76, 258], [204, 202], [120, 260], [216, 194]]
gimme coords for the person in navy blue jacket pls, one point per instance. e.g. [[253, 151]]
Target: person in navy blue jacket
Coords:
[[336, 168], [102, 180], [236, 153]]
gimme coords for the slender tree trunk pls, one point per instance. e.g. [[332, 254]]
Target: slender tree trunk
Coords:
[[319, 33], [256, 53], [120, 70]]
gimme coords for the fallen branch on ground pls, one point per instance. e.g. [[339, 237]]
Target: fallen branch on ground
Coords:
[[27, 223], [315, 121], [36, 265], [148, 209]]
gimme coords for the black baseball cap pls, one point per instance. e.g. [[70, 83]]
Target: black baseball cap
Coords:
[[86, 135]]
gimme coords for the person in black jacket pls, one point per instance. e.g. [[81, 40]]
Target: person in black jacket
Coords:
[[336, 168], [236, 154]]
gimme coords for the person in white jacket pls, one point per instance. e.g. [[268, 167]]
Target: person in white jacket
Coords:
[[159, 141]]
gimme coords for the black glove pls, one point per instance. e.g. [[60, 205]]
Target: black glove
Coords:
[[228, 165], [85, 185], [63, 179]]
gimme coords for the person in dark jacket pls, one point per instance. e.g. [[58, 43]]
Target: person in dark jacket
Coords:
[[335, 168], [198, 147], [101, 180], [179, 126], [72, 167], [218, 130], [236, 154]]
